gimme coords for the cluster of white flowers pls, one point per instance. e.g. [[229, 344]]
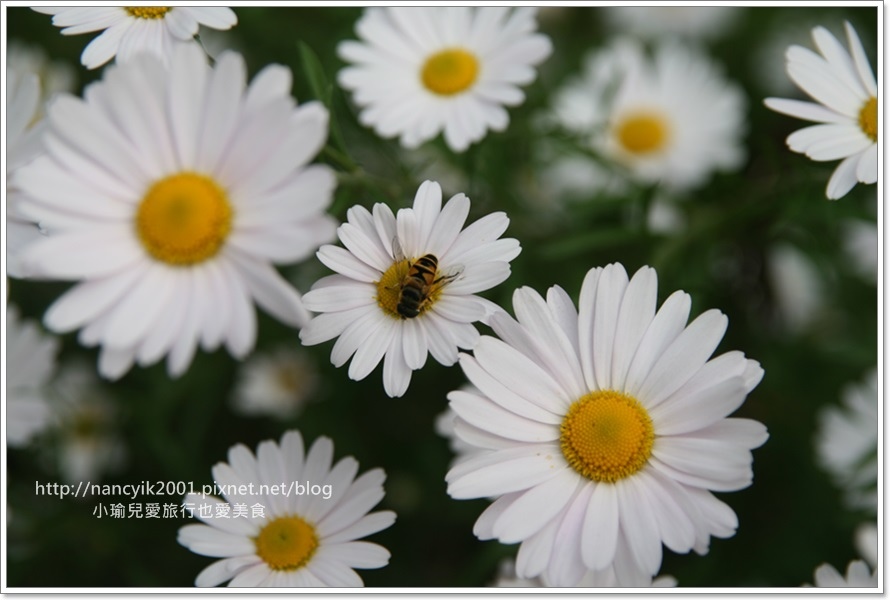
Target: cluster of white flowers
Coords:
[[600, 430]]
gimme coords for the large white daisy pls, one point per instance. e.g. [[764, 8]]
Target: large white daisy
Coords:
[[168, 195], [24, 143], [847, 442], [605, 428], [421, 71], [300, 539], [30, 363], [844, 86], [671, 119], [129, 30], [363, 304]]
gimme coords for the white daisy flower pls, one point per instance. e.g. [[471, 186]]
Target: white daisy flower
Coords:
[[24, 143], [130, 30], [301, 539], [703, 22], [276, 384], [30, 364], [797, 287], [858, 576], [847, 442], [406, 285], [844, 86], [89, 446], [605, 428], [607, 578], [671, 119], [169, 195], [860, 243], [421, 71]]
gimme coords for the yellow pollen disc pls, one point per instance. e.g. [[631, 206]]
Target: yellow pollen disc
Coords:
[[390, 286], [607, 436], [148, 12], [868, 119], [184, 219], [286, 544], [450, 71], [642, 133]]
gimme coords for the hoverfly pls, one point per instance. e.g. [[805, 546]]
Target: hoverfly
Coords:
[[421, 282]]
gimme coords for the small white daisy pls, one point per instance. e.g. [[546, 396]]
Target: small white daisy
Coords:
[[30, 364], [367, 304], [797, 287], [421, 71], [858, 576], [607, 578], [604, 429], [88, 443], [671, 119], [301, 539], [844, 86], [703, 22], [860, 243], [847, 442], [24, 143], [168, 195], [276, 384], [129, 30]]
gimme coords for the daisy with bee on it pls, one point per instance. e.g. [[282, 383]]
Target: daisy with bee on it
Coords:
[[405, 285]]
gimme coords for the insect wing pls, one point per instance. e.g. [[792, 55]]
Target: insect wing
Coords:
[[397, 253]]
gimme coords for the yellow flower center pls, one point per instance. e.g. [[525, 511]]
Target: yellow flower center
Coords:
[[286, 544], [450, 71], [389, 288], [643, 132], [148, 12], [184, 219], [607, 436], [868, 119]]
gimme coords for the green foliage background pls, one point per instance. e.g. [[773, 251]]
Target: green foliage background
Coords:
[[791, 519]]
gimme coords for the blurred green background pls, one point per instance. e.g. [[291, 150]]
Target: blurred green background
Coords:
[[792, 518]]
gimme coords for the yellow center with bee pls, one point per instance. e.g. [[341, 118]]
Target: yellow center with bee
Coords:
[[410, 287]]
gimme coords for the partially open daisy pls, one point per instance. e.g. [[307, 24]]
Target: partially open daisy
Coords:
[[30, 363], [421, 71], [605, 428], [844, 86], [129, 30], [405, 285], [671, 119], [290, 536], [168, 195]]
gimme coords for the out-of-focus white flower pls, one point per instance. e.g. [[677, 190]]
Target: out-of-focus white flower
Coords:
[[860, 243], [797, 286], [30, 364], [88, 443], [671, 119], [845, 88], [866, 541], [56, 76], [847, 442], [276, 383], [703, 22]]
